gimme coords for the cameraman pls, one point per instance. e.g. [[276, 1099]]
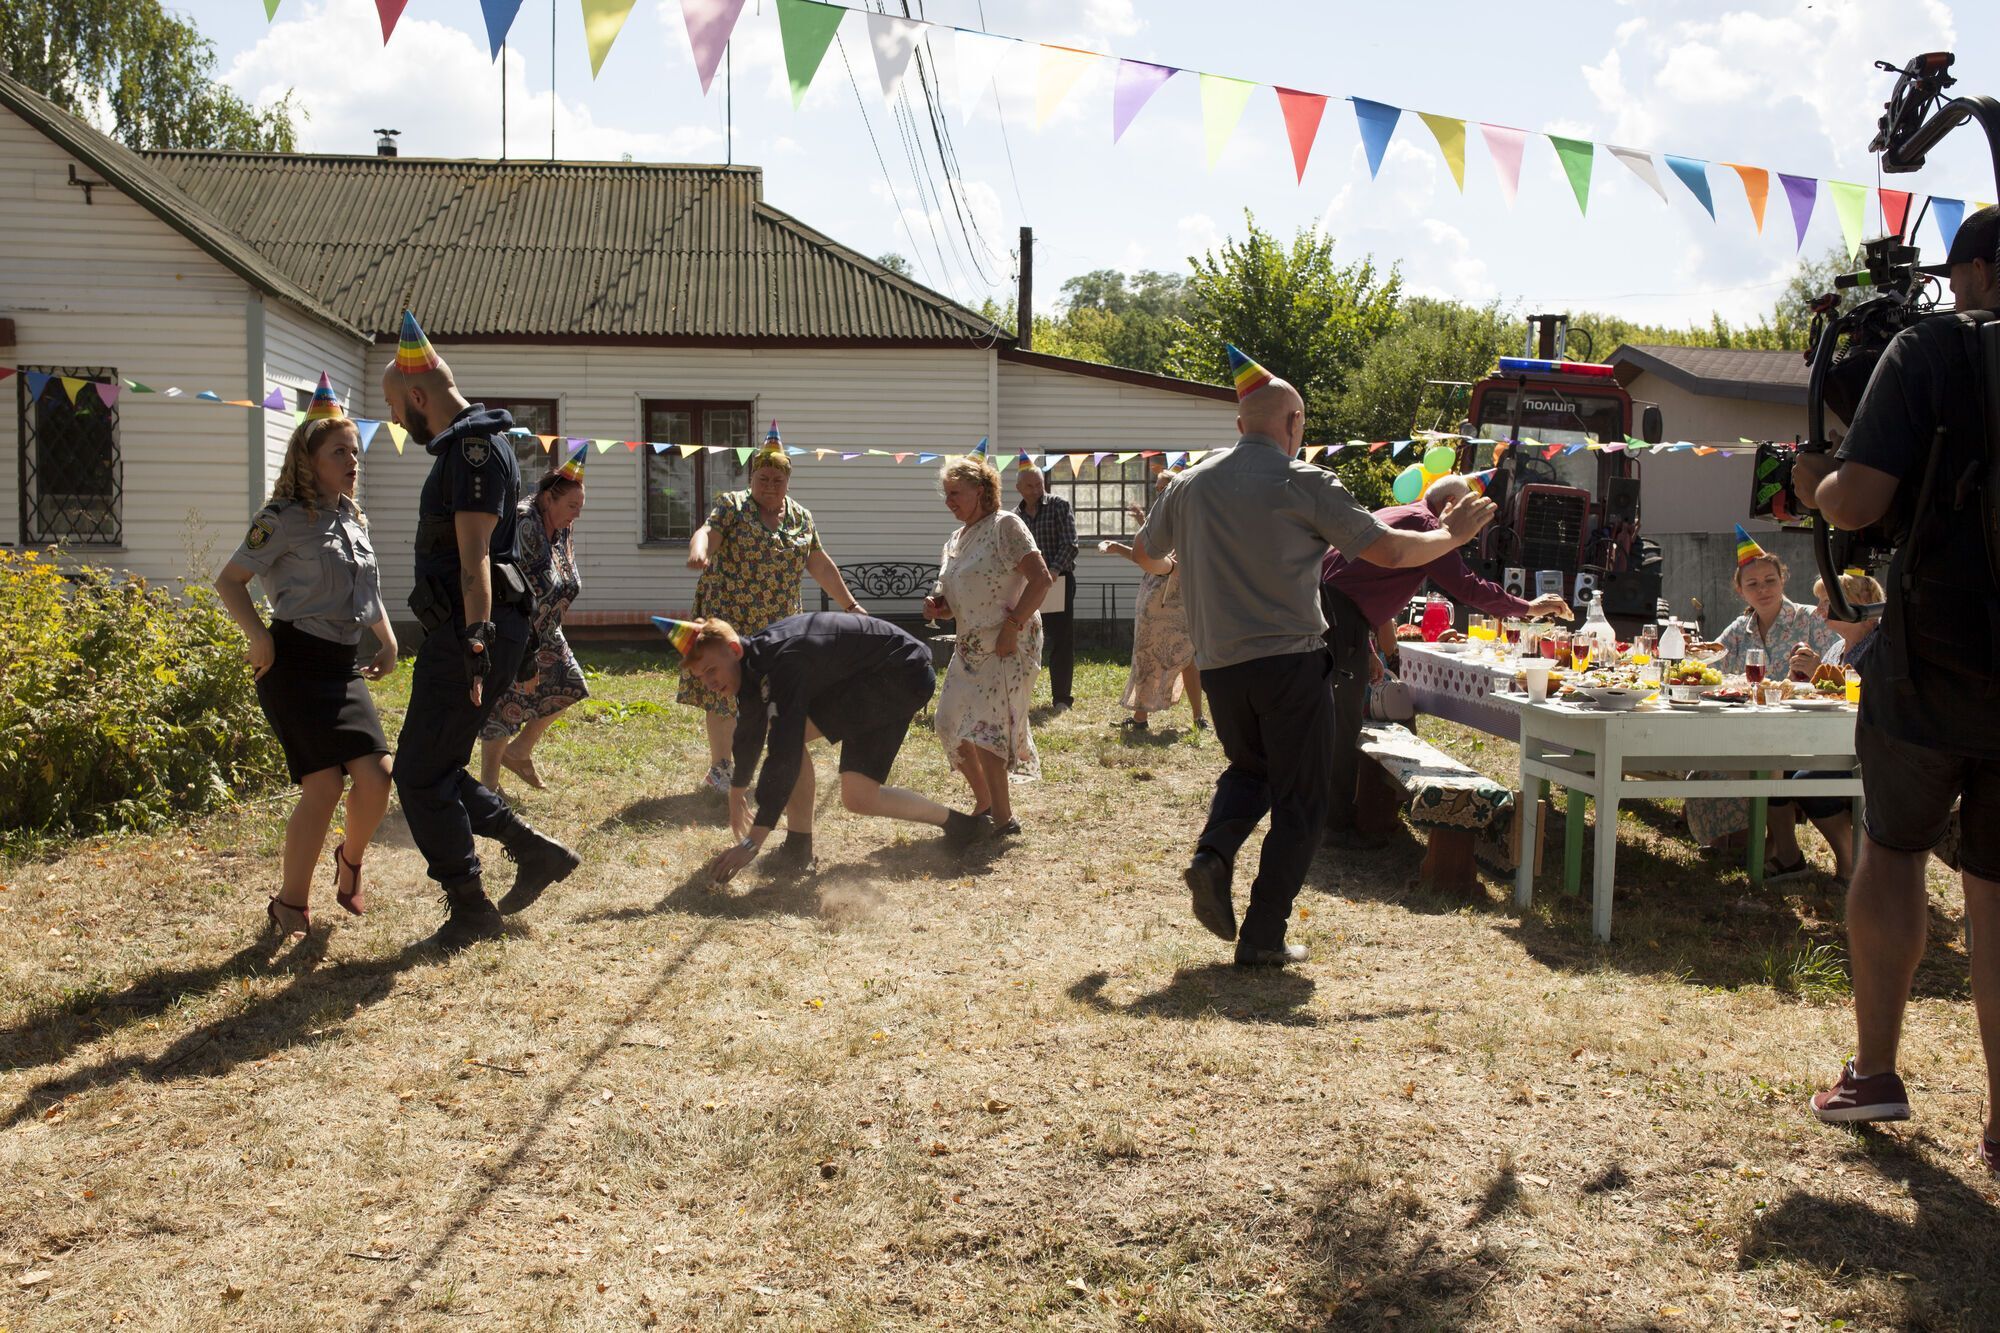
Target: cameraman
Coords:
[[1929, 730]]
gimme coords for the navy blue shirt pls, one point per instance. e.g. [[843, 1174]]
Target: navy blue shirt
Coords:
[[472, 471]]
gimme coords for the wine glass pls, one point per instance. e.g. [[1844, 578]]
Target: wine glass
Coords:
[[1753, 665]]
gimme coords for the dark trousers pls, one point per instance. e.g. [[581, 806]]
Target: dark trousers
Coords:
[[444, 804], [1348, 637], [1059, 637], [1274, 716]]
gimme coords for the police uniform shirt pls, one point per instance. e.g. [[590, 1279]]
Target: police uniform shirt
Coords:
[[473, 471], [317, 567]]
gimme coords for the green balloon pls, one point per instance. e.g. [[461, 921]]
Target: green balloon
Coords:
[[1440, 458], [1409, 484]]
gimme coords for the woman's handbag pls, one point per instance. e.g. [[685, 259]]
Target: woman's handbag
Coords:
[[1389, 698]]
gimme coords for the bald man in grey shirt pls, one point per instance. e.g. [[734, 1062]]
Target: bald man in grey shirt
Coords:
[[1250, 526]]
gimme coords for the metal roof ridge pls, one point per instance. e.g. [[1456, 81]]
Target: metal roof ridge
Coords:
[[766, 212]]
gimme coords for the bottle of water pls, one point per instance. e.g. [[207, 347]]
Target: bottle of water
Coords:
[[1596, 628]]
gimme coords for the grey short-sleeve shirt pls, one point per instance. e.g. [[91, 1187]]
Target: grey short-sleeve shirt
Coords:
[[317, 567], [1249, 526]]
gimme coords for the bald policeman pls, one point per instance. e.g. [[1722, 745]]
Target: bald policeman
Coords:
[[1249, 526], [474, 606]]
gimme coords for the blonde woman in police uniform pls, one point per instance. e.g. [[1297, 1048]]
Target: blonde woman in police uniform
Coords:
[[309, 546]]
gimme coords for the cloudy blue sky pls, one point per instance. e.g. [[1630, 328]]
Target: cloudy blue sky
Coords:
[[1783, 84]]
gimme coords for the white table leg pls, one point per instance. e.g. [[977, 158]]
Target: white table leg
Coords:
[[1603, 867], [1531, 811]]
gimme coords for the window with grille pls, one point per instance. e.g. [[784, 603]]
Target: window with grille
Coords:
[[539, 416], [679, 490], [1099, 492], [72, 480]]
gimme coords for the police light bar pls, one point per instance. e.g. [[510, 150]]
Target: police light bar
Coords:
[[1522, 365]]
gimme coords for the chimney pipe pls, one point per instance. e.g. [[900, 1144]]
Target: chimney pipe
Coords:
[[385, 142], [1024, 305]]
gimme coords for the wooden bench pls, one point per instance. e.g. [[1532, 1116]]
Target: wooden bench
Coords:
[[1452, 804]]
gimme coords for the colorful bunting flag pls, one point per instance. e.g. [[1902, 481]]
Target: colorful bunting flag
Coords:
[[1377, 121], [1895, 210], [709, 23], [1756, 189], [1641, 165], [1947, 213], [135, 386], [603, 20], [71, 386], [1450, 136], [275, 400], [1222, 103], [499, 18], [366, 430], [1850, 204], [397, 435], [806, 29], [1135, 85], [107, 390], [1061, 67], [893, 39], [1693, 173], [1577, 156], [391, 10], [1505, 145], [1802, 192], [979, 57]]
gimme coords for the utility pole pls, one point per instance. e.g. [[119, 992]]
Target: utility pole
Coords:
[[1024, 303], [503, 101]]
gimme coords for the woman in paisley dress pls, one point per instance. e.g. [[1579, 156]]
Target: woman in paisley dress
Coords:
[[752, 553], [1162, 650], [991, 582], [545, 553]]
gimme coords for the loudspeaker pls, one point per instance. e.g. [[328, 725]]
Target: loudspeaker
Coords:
[[1621, 501], [1515, 581], [1586, 584]]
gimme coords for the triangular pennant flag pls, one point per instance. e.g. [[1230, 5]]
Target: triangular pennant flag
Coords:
[[107, 390], [1850, 204], [927, 458], [275, 400], [391, 10], [1756, 189], [1895, 210], [1641, 165], [172, 391], [298, 418], [1577, 156], [1694, 174], [1505, 145], [1801, 192], [137, 387], [709, 23], [366, 430], [1222, 103], [548, 443], [1128, 457], [1377, 121], [603, 20], [978, 57], [397, 435], [1302, 113], [1948, 213], [894, 39], [499, 18], [605, 446], [743, 456], [849, 458], [1136, 83], [209, 396], [70, 386], [1450, 135], [806, 29], [270, 10], [689, 450], [1061, 67], [903, 457]]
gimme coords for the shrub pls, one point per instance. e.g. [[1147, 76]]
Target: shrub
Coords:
[[125, 704]]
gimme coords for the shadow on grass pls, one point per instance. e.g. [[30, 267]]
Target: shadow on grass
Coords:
[[703, 808], [1213, 990], [1377, 1261], [1947, 1248]]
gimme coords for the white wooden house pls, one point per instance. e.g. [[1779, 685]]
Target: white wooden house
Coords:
[[628, 302]]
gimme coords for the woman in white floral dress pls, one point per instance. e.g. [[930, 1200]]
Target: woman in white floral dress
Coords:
[[991, 584]]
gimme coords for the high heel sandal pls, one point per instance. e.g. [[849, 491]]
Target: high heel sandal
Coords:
[[287, 920], [350, 899]]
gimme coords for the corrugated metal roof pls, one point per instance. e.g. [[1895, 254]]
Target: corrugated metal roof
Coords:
[[559, 250], [1720, 372], [136, 179]]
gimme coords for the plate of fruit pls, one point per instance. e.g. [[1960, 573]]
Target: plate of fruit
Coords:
[[1728, 696]]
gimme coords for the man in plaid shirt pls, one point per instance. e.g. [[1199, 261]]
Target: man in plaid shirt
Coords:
[[1053, 524]]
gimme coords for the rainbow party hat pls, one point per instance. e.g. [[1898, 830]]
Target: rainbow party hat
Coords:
[[1747, 548], [680, 633], [1247, 374], [324, 405], [573, 466], [1479, 481], [771, 438], [414, 353]]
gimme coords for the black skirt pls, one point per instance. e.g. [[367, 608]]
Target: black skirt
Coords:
[[318, 703]]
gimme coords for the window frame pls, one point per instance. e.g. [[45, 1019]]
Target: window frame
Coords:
[[507, 404], [704, 495], [1071, 485], [33, 531]]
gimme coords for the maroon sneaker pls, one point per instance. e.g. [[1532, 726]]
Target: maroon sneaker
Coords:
[[1855, 1099], [1989, 1154]]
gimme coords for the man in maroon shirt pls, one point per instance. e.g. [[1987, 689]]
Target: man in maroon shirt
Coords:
[[1358, 597]]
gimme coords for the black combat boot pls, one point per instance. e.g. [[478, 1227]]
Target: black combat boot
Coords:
[[538, 863], [471, 916]]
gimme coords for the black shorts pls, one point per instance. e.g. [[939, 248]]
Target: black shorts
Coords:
[[870, 722], [1908, 791]]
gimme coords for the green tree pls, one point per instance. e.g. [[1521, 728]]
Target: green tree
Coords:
[[896, 264], [1407, 380], [142, 74]]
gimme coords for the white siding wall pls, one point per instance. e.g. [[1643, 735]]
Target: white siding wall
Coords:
[[1687, 493], [297, 348], [108, 284], [868, 509]]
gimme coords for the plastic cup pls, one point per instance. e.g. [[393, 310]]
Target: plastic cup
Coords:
[[1537, 673]]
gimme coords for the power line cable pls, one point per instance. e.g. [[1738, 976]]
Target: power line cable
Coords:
[[894, 198]]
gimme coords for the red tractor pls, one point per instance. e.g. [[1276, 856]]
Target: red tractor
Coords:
[[1569, 515]]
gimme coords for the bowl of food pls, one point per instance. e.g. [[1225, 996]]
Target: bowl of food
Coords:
[[1728, 696], [1615, 698], [1685, 696], [1708, 654]]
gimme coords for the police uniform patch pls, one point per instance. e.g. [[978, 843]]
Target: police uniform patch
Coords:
[[260, 533], [476, 451]]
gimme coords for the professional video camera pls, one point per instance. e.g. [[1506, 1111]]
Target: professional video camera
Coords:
[[1844, 345]]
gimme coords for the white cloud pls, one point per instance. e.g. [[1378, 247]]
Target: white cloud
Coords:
[[1110, 18], [461, 92], [1199, 233]]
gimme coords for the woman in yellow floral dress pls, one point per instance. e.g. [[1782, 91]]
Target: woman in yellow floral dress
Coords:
[[753, 552]]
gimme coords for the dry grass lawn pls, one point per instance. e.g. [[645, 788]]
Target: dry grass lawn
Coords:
[[1024, 1090]]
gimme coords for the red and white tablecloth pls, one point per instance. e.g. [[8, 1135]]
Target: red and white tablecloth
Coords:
[[1460, 689]]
